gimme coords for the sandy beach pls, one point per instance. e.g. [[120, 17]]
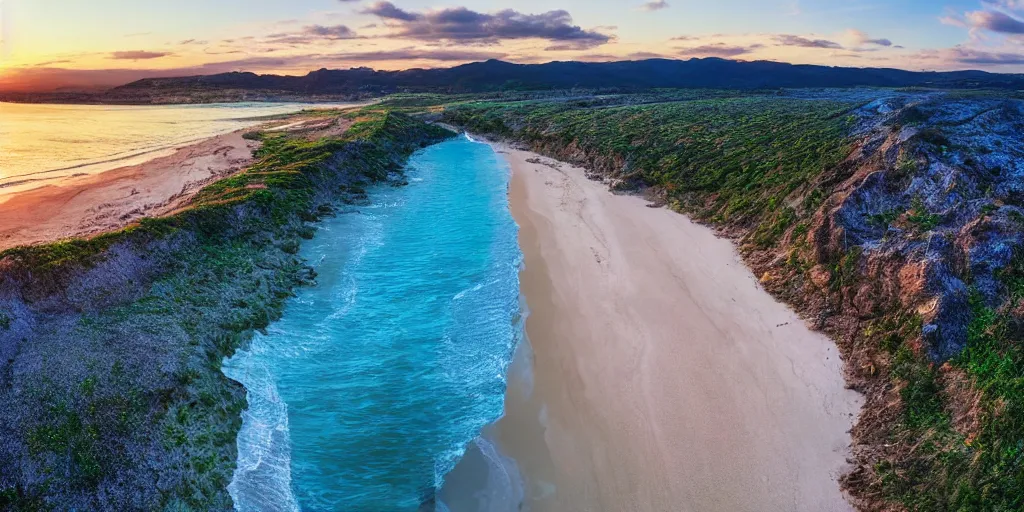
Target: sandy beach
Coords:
[[96, 203], [663, 377], [46, 207]]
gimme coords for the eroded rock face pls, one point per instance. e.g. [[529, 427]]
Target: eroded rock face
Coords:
[[890, 247], [916, 221], [932, 205]]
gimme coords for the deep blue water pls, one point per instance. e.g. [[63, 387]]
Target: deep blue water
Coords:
[[365, 394]]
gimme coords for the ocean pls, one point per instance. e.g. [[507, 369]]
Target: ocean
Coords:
[[51, 141], [367, 392]]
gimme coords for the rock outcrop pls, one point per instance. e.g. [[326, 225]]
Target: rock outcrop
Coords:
[[906, 250]]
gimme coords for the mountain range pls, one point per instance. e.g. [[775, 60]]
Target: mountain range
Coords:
[[495, 75]]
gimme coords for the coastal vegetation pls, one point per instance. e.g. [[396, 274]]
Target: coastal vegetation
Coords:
[[726, 160], [111, 383], [890, 219]]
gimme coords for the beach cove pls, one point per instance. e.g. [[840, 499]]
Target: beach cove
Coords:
[[659, 375]]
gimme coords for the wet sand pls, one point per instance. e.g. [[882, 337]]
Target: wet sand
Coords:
[[663, 377], [43, 208], [96, 203]]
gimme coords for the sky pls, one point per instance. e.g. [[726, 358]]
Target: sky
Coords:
[[48, 44]]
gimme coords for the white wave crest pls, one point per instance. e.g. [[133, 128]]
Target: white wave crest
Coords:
[[262, 481]]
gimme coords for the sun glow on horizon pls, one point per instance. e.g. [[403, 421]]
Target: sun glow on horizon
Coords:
[[99, 42]]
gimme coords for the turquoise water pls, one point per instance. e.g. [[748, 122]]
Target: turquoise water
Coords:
[[366, 393]]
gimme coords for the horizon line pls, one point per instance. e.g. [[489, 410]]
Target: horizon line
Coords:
[[195, 72]]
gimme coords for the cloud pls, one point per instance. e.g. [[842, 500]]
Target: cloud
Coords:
[[313, 33], [964, 57], [465, 25], [596, 57], [229, 52], [138, 55], [879, 42], [718, 50], [645, 55], [1000, 21], [332, 32], [602, 57], [567, 47], [52, 62], [861, 38], [388, 11], [994, 21], [445, 55], [954, 20], [792, 40], [860, 41], [1013, 5], [980, 57], [654, 5]]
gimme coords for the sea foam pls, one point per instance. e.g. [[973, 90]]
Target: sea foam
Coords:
[[367, 392]]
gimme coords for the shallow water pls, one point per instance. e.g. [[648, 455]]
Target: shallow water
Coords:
[[368, 390], [55, 140]]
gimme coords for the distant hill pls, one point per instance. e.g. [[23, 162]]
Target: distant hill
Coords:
[[494, 75]]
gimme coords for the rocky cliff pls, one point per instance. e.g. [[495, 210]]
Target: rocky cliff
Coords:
[[892, 220]]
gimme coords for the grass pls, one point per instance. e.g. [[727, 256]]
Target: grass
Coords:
[[229, 265], [947, 436], [79, 426], [736, 160], [920, 218], [995, 360], [281, 180], [976, 465]]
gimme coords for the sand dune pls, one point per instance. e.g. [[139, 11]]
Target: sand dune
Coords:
[[665, 378]]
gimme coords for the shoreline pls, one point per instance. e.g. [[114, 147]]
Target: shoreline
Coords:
[[646, 360], [90, 204], [107, 324], [37, 209]]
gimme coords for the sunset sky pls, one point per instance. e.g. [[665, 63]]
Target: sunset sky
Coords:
[[59, 43]]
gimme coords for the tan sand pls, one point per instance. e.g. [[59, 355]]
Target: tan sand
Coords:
[[40, 209], [665, 378], [95, 203]]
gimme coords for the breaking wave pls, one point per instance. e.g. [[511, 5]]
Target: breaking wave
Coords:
[[366, 394]]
